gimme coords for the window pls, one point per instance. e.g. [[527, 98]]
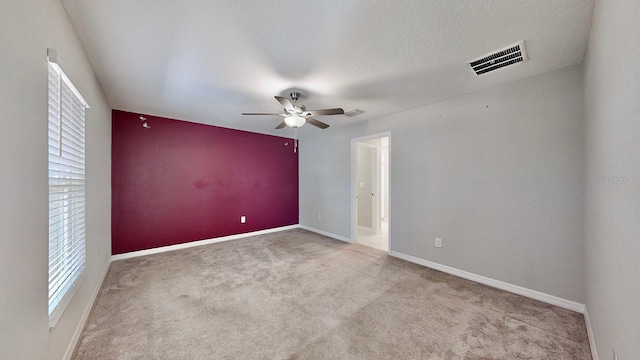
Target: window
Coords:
[[66, 189]]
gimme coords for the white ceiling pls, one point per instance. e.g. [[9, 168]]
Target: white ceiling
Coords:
[[208, 61]]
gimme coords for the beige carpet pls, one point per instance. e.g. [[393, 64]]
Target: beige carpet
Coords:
[[299, 295]]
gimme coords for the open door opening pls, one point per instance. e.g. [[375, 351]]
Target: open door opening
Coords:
[[370, 190]]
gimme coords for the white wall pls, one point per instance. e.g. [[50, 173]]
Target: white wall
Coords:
[[497, 174], [612, 83], [27, 28]]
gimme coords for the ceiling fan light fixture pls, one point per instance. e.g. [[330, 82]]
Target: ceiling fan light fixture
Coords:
[[294, 121]]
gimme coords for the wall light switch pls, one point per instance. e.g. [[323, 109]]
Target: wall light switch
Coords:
[[438, 242], [243, 219]]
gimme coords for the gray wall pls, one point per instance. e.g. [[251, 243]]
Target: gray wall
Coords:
[[27, 28], [612, 83], [497, 174]]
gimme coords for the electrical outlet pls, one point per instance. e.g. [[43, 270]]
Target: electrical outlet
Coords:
[[319, 216], [438, 242], [243, 219]]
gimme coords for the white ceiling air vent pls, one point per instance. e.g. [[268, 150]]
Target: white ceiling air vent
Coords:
[[508, 56], [354, 112]]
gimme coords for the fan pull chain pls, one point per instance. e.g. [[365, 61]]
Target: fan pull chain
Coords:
[[295, 130]]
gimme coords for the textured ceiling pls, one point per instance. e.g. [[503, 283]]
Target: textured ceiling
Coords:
[[208, 61]]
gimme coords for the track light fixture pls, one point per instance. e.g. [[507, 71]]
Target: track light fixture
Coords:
[[144, 122]]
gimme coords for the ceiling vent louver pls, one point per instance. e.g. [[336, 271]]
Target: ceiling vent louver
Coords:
[[508, 56], [354, 112]]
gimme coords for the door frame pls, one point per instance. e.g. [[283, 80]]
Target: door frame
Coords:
[[354, 184]]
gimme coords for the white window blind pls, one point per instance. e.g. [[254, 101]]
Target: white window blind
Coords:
[[66, 190]]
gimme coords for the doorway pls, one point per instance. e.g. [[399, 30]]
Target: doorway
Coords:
[[370, 165]]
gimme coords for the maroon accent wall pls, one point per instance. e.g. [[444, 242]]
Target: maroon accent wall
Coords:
[[179, 182]]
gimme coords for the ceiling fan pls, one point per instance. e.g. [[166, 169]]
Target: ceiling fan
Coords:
[[297, 115]]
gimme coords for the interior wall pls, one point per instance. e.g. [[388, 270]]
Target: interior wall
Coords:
[[180, 181], [612, 91], [382, 146], [27, 28], [384, 169], [364, 179], [497, 174]]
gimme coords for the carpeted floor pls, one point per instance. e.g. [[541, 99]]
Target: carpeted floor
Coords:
[[299, 295]]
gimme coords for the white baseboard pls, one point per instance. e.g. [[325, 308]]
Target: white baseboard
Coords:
[[85, 316], [592, 339], [325, 233], [533, 294], [162, 249]]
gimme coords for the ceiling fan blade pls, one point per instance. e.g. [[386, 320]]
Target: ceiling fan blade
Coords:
[[281, 125], [285, 102], [336, 111], [259, 114], [317, 123]]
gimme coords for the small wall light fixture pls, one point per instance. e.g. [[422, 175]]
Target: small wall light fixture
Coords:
[[144, 122]]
